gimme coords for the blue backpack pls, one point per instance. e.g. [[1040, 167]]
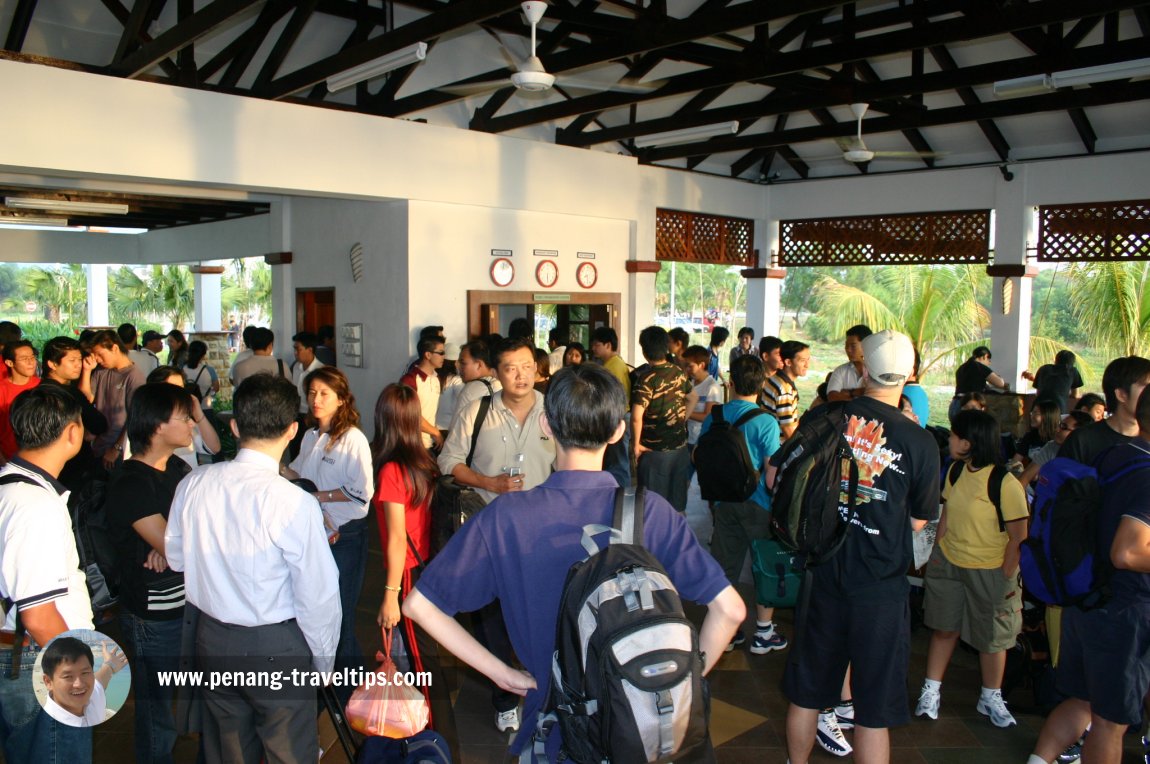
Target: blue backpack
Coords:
[[1059, 561], [427, 747]]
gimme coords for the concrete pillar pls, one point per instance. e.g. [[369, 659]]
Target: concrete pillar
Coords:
[[283, 290], [642, 270], [1013, 278], [765, 281], [97, 274], [207, 286]]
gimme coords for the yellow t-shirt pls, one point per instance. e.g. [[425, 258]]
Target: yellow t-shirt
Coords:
[[972, 538], [618, 367]]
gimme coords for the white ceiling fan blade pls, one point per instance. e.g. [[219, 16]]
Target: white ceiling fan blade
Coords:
[[581, 83], [475, 88], [910, 154]]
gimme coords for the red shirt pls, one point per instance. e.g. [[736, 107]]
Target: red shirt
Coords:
[[8, 392], [395, 487]]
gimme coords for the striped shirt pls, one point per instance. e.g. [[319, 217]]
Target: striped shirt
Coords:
[[781, 398]]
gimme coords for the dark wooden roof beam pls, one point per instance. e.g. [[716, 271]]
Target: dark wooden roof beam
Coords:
[[137, 22], [1085, 130], [291, 32], [239, 52], [938, 33], [990, 130], [643, 37], [429, 27], [1098, 95], [21, 21], [121, 14], [184, 33]]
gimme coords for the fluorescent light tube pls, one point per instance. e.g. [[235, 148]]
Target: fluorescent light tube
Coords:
[[412, 54], [1021, 86], [99, 208], [36, 221], [1092, 75], [686, 135]]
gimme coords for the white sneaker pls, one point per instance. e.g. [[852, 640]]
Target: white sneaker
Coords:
[[845, 715], [995, 707], [830, 736], [928, 702], [507, 720]]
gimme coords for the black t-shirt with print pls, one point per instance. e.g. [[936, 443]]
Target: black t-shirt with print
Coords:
[[135, 491], [898, 480]]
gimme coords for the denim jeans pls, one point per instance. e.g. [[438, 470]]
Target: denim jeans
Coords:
[[156, 647], [350, 553], [27, 733]]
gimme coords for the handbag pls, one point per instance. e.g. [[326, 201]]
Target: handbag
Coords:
[[454, 504], [381, 707]]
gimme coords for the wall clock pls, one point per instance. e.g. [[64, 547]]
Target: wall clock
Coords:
[[502, 272], [586, 275], [547, 273]]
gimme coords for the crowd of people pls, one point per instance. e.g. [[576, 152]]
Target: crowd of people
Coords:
[[232, 566]]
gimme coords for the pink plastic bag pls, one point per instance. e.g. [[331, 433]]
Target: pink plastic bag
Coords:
[[381, 708]]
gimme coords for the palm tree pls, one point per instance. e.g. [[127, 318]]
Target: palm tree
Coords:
[[936, 306], [1111, 301], [249, 291], [166, 291], [57, 290]]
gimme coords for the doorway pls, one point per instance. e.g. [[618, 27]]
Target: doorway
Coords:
[[577, 315], [314, 308]]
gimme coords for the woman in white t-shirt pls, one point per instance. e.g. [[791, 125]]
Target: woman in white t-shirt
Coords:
[[200, 373], [336, 456]]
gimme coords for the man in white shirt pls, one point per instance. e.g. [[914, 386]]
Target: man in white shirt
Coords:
[[423, 378], [303, 346], [557, 348], [76, 690], [248, 335], [475, 368], [43, 589], [152, 346], [143, 359], [257, 566], [849, 380], [262, 359]]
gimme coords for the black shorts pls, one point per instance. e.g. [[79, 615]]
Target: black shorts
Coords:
[[1105, 659], [872, 637]]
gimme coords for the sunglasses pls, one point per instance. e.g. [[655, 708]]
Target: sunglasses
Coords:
[[439, 352]]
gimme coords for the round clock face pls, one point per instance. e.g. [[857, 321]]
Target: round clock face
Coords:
[[502, 272], [587, 275], [547, 273]]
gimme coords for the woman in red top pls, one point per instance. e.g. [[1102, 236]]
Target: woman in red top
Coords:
[[405, 483]]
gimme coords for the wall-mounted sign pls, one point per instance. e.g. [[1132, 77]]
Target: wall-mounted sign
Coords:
[[501, 253], [585, 255], [550, 297], [547, 253]]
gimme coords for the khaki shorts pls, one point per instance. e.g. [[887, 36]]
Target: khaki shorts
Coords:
[[980, 604]]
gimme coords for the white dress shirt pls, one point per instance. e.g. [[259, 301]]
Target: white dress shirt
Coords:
[[254, 551], [845, 377], [346, 466]]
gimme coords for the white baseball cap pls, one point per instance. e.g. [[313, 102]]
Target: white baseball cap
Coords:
[[888, 357]]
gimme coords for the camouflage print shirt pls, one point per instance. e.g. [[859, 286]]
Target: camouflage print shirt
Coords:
[[662, 390]]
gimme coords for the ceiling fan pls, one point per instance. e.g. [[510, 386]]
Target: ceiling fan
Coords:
[[855, 150], [530, 76]]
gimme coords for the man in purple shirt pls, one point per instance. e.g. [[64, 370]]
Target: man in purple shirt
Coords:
[[516, 553]]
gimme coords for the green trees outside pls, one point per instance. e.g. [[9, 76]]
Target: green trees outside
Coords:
[[701, 290], [1111, 301], [157, 296]]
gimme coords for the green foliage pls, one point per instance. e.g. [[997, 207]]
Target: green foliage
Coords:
[[938, 307], [58, 291], [161, 290], [247, 290], [700, 288], [1112, 304], [1052, 313]]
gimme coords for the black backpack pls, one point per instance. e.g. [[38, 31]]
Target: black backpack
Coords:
[[93, 543], [810, 486], [723, 460], [627, 675]]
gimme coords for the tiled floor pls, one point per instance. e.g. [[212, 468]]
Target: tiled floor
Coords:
[[748, 712]]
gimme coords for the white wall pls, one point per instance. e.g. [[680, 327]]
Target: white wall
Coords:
[[323, 232]]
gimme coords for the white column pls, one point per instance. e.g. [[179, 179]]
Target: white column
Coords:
[[764, 294], [97, 274], [1010, 322], [640, 310], [207, 286], [283, 290]]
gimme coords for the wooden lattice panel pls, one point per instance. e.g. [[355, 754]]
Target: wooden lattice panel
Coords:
[[689, 237], [1096, 231], [920, 238]]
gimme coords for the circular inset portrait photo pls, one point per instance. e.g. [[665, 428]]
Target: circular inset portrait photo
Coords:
[[82, 678]]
